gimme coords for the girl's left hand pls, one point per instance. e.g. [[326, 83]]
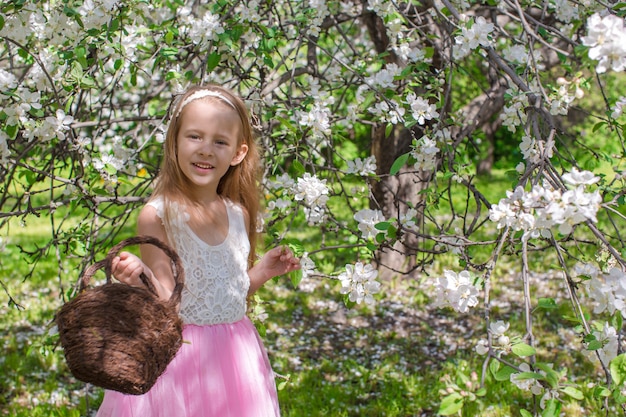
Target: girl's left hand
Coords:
[[279, 261]]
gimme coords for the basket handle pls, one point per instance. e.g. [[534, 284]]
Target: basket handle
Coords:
[[177, 266]]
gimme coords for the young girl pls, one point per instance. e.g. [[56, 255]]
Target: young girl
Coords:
[[205, 206]]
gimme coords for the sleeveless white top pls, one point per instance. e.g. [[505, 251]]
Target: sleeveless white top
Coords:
[[216, 276]]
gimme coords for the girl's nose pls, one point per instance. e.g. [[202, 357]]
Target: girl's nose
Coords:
[[205, 149]]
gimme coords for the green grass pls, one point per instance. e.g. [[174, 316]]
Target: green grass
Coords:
[[389, 360], [395, 359]]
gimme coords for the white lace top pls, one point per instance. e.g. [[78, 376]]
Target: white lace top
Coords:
[[216, 277]]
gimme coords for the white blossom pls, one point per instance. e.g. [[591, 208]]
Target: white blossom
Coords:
[[618, 108], [609, 344], [528, 384], [318, 119], [606, 38], [425, 152], [314, 193], [385, 77], [391, 114], [307, 266], [4, 148], [8, 81], [542, 208], [470, 38], [202, 30], [407, 219], [363, 167], [421, 109], [311, 190], [457, 291], [368, 219], [359, 282], [282, 181], [607, 290]]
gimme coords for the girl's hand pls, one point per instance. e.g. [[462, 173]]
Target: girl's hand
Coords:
[[278, 261], [275, 262], [127, 268]]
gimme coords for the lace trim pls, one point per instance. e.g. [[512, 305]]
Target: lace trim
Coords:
[[216, 277]]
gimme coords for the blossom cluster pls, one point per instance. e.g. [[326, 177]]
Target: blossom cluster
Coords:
[[501, 343], [606, 39], [318, 119], [314, 193], [531, 384], [363, 167], [514, 114], [308, 189], [477, 34], [359, 282], [606, 344], [421, 109], [607, 290], [457, 291], [536, 211], [368, 219], [201, 30], [424, 152]]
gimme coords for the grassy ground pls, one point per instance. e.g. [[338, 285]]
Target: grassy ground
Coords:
[[394, 359], [390, 360]]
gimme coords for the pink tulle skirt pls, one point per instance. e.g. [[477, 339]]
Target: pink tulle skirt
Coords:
[[221, 370]]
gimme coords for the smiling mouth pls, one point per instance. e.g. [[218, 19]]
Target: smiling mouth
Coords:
[[203, 166]]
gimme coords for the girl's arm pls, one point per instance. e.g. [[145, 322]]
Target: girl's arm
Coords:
[[277, 261], [153, 262]]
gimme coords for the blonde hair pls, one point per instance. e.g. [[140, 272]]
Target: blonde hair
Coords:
[[239, 184]]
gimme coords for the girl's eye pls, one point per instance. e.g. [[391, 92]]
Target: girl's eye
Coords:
[[194, 137]]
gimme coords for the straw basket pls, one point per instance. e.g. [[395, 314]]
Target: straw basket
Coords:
[[121, 337]]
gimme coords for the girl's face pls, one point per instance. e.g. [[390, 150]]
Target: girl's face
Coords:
[[208, 143]]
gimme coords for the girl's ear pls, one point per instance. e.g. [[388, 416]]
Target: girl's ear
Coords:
[[241, 153]]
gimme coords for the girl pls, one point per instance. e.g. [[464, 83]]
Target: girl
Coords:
[[205, 205]]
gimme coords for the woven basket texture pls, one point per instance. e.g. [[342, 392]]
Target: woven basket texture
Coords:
[[120, 337]]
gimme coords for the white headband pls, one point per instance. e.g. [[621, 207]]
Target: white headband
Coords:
[[201, 94]]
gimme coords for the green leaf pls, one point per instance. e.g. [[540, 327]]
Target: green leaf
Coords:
[[382, 225], [295, 277], [594, 345], [451, 404], [524, 413], [573, 392], [213, 61], [547, 303], [388, 130], [617, 320], [494, 366], [618, 369], [601, 392], [553, 408], [522, 349], [297, 168], [296, 247], [481, 392], [598, 126], [550, 375], [399, 163], [504, 374], [169, 52], [529, 375]]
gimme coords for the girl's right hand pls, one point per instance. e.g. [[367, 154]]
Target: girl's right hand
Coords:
[[127, 268]]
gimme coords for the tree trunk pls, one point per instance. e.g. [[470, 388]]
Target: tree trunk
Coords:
[[391, 195]]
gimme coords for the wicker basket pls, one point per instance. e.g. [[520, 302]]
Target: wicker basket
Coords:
[[121, 337]]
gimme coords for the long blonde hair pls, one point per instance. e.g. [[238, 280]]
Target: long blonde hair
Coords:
[[239, 184]]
